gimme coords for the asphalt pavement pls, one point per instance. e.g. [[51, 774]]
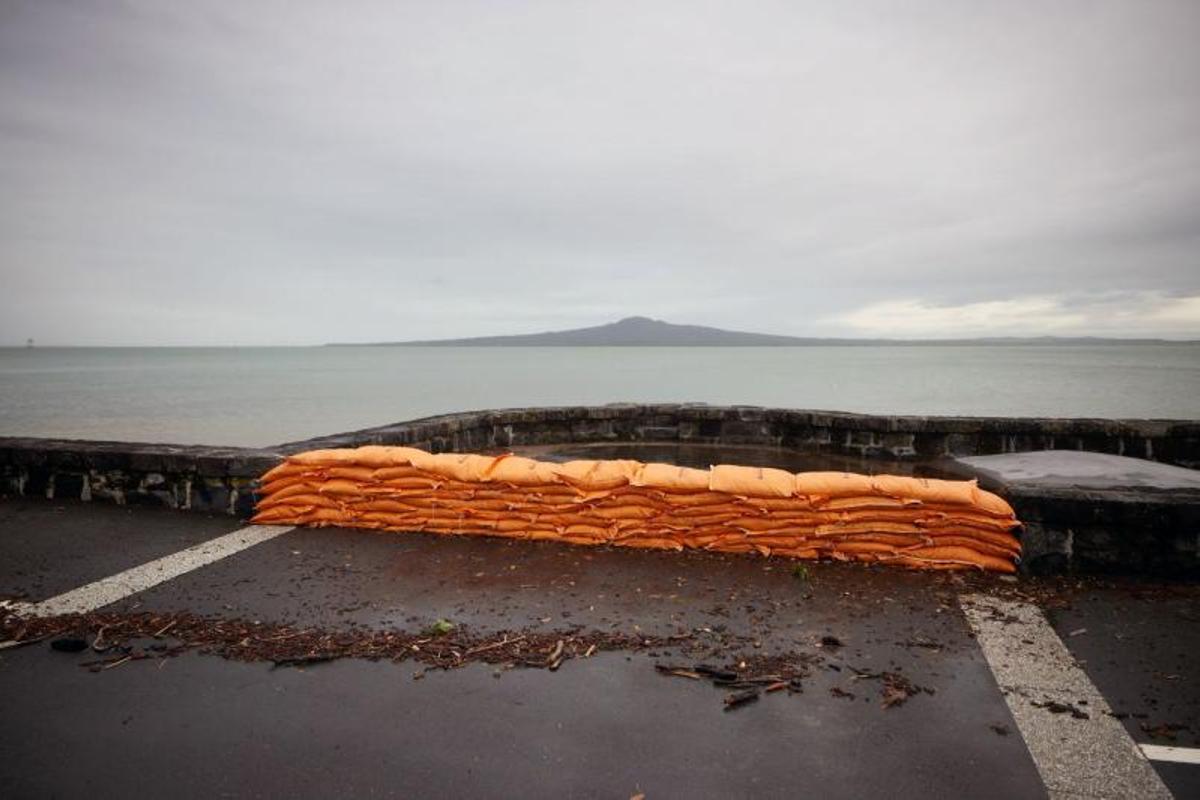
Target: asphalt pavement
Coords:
[[608, 724]]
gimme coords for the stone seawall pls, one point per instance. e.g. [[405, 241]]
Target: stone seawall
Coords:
[[1170, 441], [190, 478], [1117, 532], [1106, 533]]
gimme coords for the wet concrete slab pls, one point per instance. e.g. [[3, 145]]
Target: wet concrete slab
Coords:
[[47, 548], [1140, 646], [1081, 470], [608, 726]]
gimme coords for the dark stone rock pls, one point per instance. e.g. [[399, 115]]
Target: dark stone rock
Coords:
[[69, 645], [37, 480], [68, 485], [144, 498]]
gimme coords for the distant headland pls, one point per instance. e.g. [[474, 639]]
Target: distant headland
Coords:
[[647, 332]]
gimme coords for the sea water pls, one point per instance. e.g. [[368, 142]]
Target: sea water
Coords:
[[262, 396]]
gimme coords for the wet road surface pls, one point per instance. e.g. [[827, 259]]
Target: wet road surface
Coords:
[[606, 726]]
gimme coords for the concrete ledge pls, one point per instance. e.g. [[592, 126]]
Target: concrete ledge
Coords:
[[192, 478], [1096, 513], [1169, 441]]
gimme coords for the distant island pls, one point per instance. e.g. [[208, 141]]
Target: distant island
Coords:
[[647, 332]]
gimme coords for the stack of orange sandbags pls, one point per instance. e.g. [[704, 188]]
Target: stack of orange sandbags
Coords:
[[915, 522]]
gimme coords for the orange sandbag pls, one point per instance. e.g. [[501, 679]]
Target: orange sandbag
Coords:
[[670, 478], [698, 512], [341, 487], [271, 516], [323, 516], [677, 500], [465, 467], [752, 481], [624, 512], [326, 458], [864, 547], [762, 523], [391, 520], [389, 505], [408, 484], [300, 499], [798, 552], [596, 476], [354, 473], [291, 489], [592, 531], [520, 471], [927, 490], [798, 503], [992, 503], [978, 545], [279, 484], [523, 525], [651, 543], [1004, 540], [834, 484], [570, 519], [373, 456], [392, 473], [956, 555], [862, 502], [897, 540], [914, 522], [556, 490], [776, 540], [284, 469], [844, 528]]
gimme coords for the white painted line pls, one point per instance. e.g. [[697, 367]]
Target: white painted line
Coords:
[[15, 606], [1085, 752], [1162, 752], [111, 589]]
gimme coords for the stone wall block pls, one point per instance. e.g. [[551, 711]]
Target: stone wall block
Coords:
[[1047, 549], [960, 444], [659, 433]]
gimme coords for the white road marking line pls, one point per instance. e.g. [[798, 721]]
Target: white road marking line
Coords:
[[115, 587], [1162, 752], [15, 606], [1093, 757]]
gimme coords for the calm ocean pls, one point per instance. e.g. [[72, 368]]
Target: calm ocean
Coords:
[[261, 396]]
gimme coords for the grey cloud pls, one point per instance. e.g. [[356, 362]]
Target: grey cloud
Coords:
[[293, 173]]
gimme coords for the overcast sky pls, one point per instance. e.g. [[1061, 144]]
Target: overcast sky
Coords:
[[292, 173]]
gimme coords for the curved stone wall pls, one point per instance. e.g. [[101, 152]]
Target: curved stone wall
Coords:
[[1170, 441], [222, 480]]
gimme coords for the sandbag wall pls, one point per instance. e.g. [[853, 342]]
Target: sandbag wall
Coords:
[[912, 522]]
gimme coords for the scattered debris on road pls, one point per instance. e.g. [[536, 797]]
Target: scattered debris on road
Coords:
[[895, 688], [1058, 707], [1166, 730], [740, 698]]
